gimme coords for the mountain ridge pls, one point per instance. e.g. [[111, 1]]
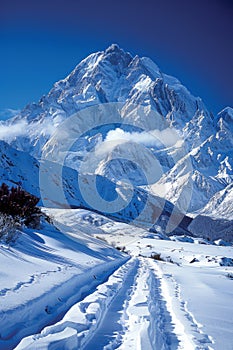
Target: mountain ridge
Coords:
[[114, 76]]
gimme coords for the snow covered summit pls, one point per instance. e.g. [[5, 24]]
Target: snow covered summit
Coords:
[[113, 76]]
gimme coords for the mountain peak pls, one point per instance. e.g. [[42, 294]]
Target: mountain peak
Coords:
[[113, 48], [116, 55]]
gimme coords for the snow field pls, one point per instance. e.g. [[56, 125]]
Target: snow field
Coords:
[[89, 296], [134, 309]]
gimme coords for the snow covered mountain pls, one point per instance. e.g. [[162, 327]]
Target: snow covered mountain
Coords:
[[118, 153], [192, 174], [114, 76]]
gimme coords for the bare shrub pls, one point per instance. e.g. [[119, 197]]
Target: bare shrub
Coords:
[[8, 228]]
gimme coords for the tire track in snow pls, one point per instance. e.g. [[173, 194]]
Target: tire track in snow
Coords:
[[133, 310], [147, 323], [148, 320], [137, 318], [108, 330]]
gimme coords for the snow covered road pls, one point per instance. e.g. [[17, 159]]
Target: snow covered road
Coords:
[[126, 312], [132, 310]]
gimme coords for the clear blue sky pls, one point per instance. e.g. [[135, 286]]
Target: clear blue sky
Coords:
[[42, 41]]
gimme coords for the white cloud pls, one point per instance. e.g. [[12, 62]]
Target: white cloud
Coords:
[[154, 138], [9, 132], [167, 137]]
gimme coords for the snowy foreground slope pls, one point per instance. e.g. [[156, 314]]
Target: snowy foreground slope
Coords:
[[91, 296], [44, 273]]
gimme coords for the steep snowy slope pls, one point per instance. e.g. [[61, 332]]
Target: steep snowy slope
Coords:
[[215, 219], [119, 201], [221, 204], [212, 167], [18, 169]]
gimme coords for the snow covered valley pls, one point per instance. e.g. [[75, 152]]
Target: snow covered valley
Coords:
[[70, 289]]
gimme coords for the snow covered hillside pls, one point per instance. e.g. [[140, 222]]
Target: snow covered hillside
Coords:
[[44, 182], [167, 294], [44, 273]]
